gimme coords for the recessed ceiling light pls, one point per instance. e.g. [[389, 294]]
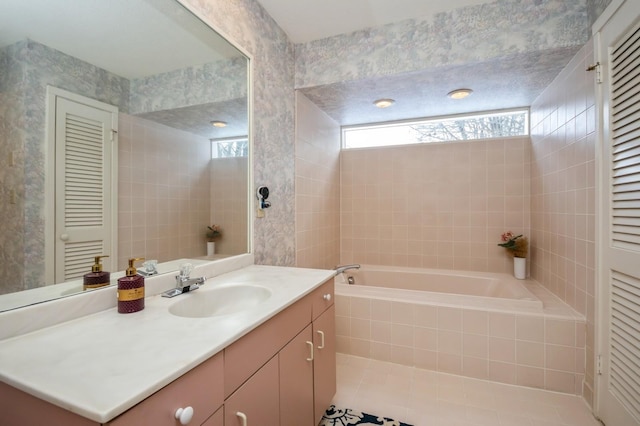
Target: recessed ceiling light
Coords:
[[219, 123], [384, 103], [459, 93]]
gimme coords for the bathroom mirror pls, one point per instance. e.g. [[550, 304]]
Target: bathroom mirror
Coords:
[[173, 173]]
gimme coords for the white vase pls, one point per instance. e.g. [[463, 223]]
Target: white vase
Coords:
[[211, 248], [520, 267]]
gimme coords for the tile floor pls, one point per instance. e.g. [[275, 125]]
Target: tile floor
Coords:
[[428, 398]]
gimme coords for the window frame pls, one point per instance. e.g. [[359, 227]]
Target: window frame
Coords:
[[414, 121]]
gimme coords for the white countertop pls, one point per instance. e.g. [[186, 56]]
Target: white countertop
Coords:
[[100, 365]]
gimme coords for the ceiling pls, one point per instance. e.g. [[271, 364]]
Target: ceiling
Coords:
[[111, 25], [507, 81]]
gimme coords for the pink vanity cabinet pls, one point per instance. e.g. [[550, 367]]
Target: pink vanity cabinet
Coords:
[[281, 373], [324, 362], [21, 409], [201, 389], [295, 373]]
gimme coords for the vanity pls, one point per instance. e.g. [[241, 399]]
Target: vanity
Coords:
[[266, 357], [254, 345]]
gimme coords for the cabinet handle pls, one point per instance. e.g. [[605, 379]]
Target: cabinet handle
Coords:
[[184, 415], [310, 350], [321, 333], [243, 417], [327, 297]]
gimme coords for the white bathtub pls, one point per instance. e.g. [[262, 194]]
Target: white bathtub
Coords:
[[482, 325], [482, 290]]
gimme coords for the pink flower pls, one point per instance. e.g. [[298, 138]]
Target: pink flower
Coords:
[[507, 236]]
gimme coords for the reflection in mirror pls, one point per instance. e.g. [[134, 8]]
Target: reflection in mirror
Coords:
[[169, 76]]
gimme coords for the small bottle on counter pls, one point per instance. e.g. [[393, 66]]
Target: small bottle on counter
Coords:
[[131, 290], [97, 277]]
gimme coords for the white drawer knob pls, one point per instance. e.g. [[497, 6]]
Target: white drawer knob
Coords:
[[327, 297], [184, 415], [243, 417]]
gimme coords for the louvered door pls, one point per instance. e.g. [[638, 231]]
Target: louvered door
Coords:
[[618, 389], [83, 186]]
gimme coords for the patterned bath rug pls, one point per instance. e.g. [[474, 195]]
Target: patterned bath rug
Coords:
[[347, 417]]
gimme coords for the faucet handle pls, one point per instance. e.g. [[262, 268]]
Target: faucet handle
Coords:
[[185, 269]]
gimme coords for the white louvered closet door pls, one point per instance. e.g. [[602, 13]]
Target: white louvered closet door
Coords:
[[83, 181], [618, 389]]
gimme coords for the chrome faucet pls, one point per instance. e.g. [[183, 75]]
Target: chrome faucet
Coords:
[[184, 284], [343, 268]]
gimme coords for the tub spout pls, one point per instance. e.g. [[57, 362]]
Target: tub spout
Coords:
[[343, 268]]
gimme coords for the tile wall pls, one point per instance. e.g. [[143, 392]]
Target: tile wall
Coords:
[[229, 179], [545, 350], [163, 191], [435, 205], [317, 187], [563, 169]]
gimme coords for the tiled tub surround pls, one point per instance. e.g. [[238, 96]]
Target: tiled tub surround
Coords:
[[563, 188], [163, 191], [317, 187], [544, 349], [437, 205]]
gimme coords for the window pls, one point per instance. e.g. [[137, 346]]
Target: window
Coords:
[[458, 128], [225, 148]]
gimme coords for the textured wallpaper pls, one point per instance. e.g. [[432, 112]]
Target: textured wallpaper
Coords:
[[246, 24], [11, 177], [469, 34], [595, 9], [213, 82], [33, 66]]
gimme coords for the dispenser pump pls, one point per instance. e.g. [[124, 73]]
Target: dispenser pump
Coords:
[[97, 277], [131, 270], [97, 266]]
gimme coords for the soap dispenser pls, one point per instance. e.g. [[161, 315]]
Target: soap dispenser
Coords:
[[131, 290], [97, 277]]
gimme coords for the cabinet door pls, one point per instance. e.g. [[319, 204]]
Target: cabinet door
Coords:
[[200, 389], [322, 298], [296, 381], [257, 399], [216, 419], [243, 357], [20, 408], [324, 364]]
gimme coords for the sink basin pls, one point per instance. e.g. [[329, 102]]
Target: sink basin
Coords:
[[223, 300]]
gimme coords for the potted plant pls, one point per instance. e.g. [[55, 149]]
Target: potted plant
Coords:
[[213, 232], [517, 246]]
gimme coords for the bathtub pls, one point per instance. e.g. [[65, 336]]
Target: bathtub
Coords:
[[483, 290], [483, 325]]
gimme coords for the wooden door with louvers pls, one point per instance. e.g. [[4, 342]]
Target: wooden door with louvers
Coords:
[[85, 220], [618, 389]]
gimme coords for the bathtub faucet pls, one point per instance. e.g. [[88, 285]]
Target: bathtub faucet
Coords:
[[343, 268]]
